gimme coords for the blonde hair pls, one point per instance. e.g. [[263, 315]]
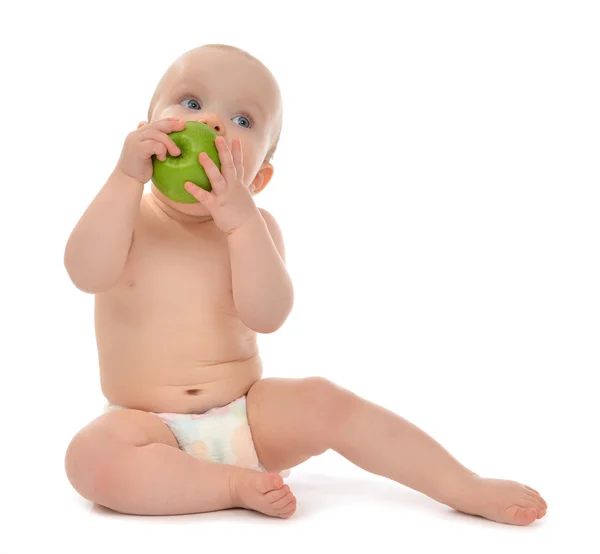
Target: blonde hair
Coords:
[[227, 48]]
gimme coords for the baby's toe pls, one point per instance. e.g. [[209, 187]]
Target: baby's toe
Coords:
[[288, 512], [537, 502], [519, 515], [268, 482], [277, 494], [284, 504], [536, 494]]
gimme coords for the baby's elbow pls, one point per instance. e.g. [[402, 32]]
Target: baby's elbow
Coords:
[[85, 284], [270, 320], [266, 329], [264, 326], [90, 287], [268, 326], [84, 278]]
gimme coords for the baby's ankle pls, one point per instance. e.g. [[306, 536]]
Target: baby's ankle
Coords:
[[456, 489], [241, 480], [234, 480]]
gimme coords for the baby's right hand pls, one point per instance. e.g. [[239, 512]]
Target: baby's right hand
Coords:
[[147, 140]]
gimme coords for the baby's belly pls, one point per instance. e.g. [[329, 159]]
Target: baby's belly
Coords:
[[169, 367]]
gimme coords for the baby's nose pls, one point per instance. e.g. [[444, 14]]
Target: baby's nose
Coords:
[[213, 121]]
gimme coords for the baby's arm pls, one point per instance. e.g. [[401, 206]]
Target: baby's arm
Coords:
[[262, 288], [97, 250]]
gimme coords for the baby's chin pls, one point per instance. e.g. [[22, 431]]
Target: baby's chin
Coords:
[[186, 211]]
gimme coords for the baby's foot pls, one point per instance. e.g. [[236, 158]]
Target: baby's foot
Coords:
[[502, 501], [263, 492]]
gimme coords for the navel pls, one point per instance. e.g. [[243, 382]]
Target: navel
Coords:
[[193, 392]]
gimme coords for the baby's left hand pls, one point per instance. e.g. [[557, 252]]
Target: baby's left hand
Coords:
[[230, 202]]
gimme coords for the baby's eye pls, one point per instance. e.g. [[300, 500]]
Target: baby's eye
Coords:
[[190, 104], [242, 121]]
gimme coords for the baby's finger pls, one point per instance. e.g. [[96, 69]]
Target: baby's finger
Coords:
[[154, 148], [168, 125], [227, 166], [238, 158], [152, 134], [198, 193], [217, 181]]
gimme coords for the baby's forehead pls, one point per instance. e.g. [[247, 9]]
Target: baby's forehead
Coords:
[[222, 55], [227, 67]]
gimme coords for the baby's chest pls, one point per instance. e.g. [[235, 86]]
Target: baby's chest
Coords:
[[181, 270]]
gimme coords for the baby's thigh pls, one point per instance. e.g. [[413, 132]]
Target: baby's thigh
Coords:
[[101, 443], [292, 420]]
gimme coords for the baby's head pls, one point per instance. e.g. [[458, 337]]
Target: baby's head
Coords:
[[232, 92]]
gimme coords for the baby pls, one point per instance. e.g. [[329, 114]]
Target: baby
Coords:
[[181, 291]]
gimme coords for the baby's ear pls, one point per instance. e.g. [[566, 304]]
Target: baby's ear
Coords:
[[262, 178], [141, 124]]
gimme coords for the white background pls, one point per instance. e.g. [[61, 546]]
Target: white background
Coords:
[[437, 183]]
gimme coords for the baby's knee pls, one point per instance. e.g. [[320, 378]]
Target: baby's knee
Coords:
[[327, 401], [323, 389], [90, 467]]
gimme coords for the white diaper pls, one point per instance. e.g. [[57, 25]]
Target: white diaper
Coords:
[[220, 435]]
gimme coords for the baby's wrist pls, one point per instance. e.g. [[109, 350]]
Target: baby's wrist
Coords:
[[247, 223], [124, 179]]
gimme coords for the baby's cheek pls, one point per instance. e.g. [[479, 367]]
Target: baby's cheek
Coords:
[[251, 163]]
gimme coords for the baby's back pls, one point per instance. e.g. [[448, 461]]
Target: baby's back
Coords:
[[169, 339]]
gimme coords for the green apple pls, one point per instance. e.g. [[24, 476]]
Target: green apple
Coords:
[[170, 176]]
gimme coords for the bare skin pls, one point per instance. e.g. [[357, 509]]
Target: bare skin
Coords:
[[181, 293]]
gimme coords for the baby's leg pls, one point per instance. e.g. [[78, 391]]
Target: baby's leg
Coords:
[[294, 419], [129, 461]]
